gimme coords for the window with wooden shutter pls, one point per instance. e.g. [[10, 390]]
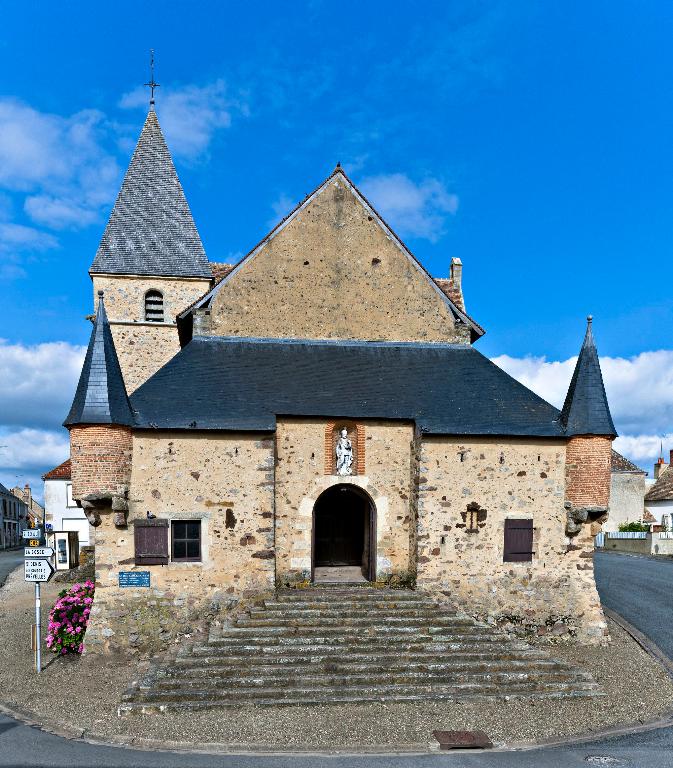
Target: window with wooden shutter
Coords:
[[518, 541], [151, 542]]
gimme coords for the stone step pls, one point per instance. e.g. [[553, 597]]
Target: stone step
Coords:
[[345, 644], [355, 693], [281, 614], [380, 630], [337, 680], [331, 666], [350, 605], [288, 660], [350, 594], [350, 644], [341, 622]]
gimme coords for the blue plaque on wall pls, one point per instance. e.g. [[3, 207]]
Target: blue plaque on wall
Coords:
[[134, 578]]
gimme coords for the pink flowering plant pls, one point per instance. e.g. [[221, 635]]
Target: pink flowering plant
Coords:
[[69, 617]]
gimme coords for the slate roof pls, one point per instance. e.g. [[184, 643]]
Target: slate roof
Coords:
[[243, 384], [586, 410], [476, 330], [662, 490], [62, 472], [620, 463], [151, 230], [101, 395]]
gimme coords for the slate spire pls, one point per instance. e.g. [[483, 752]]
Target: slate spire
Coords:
[[586, 410], [101, 395], [151, 230]]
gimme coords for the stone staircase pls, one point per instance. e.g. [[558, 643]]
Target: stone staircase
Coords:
[[352, 644]]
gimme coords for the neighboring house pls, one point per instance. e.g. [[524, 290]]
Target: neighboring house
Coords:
[[318, 412], [13, 517], [62, 512], [627, 491], [659, 497], [35, 510]]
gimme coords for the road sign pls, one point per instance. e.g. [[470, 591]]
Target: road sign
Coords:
[[37, 569], [36, 551], [32, 533]]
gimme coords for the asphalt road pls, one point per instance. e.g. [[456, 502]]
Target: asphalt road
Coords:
[[624, 582], [9, 559], [641, 590]]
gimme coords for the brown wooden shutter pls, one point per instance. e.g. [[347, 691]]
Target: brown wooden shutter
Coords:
[[151, 542], [518, 541]]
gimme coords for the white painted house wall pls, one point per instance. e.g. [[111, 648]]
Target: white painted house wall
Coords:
[[660, 508], [62, 513]]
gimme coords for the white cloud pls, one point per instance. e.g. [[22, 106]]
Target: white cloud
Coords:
[[14, 237], [32, 450], [58, 163], [190, 116], [644, 449], [639, 389], [38, 383], [414, 209]]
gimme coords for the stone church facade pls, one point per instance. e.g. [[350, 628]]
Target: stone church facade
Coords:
[[317, 412]]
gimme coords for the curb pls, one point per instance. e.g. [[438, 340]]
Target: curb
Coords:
[[182, 747]]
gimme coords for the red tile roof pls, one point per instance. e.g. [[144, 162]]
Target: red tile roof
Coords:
[[62, 472]]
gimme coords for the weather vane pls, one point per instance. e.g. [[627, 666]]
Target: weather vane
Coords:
[[152, 84]]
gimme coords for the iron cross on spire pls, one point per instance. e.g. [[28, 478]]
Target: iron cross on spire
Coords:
[[152, 84]]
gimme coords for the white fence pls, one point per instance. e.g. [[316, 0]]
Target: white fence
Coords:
[[626, 534]]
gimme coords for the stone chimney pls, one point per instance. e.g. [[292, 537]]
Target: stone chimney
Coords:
[[456, 283]]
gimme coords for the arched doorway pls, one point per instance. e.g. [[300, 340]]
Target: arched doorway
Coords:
[[344, 533]]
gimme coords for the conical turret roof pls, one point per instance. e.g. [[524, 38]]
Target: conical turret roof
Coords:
[[151, 230], [586, 410], [101, 395]]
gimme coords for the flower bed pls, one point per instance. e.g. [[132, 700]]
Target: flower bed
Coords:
[[69, 617]]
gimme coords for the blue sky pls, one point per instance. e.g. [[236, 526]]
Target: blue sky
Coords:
[[533, 140]]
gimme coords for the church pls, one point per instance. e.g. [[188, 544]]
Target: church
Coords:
[[318, 413]]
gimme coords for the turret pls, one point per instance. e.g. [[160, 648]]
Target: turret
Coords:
[[588, 424], [100, 422]]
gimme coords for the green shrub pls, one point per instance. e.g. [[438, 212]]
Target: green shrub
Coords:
[[634, 527]]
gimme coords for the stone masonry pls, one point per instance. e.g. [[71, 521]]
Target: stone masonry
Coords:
[[226, 482], [350, 278], [144, 347], [505, 479]]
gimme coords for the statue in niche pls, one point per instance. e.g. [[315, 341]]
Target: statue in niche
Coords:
[[344, 454]]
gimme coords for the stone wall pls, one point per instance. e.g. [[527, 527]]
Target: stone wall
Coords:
[[301, 478], [333, 272], [144, 347], [223, 480], [553, 594], [588, 471]]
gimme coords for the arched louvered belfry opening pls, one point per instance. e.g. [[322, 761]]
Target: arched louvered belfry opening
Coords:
[[154, 306]]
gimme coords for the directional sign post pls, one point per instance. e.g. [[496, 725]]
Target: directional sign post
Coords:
[[37, 568], [38, 552]]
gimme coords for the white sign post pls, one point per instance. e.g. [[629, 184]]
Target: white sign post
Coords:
[[38, 552], [37, 568]]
